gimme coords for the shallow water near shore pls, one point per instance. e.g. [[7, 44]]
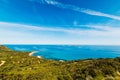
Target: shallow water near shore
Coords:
[[70, 52]]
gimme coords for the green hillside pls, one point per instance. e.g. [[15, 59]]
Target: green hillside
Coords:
[[3, 48], [20, 66]]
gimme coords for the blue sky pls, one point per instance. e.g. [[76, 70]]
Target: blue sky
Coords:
[[60, 22]]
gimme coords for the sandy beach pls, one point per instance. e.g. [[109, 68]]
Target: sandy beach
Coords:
[[30, 54], [39, 57]]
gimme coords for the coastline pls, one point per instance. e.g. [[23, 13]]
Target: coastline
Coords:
[[92, 69], [31, 54]]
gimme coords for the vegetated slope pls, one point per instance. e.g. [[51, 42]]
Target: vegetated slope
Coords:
[[3, 48], [20, 66]]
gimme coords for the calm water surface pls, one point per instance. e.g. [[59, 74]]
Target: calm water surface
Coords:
[[69, 52]]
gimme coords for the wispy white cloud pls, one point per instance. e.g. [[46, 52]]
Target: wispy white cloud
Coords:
[[37, 28], [83, 10], [95, 28], [9, 33], [96, 13]]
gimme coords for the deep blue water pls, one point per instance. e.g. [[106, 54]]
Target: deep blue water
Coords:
[[69, 52]]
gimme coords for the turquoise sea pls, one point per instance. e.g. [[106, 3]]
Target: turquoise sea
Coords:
[[70, 52]]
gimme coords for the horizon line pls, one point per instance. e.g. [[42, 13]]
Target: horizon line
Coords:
[[68, 44]]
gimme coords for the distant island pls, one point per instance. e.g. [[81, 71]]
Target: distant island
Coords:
[[16, 65]]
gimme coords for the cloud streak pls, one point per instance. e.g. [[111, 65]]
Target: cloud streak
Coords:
[[36, 28], [78, 31], [82, 10], [15, 33], [98, 29]]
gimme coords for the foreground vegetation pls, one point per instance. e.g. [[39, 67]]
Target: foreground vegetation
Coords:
[[19, 66]]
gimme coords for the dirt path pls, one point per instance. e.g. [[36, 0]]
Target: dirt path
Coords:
[[3, 62], [118, 73]]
